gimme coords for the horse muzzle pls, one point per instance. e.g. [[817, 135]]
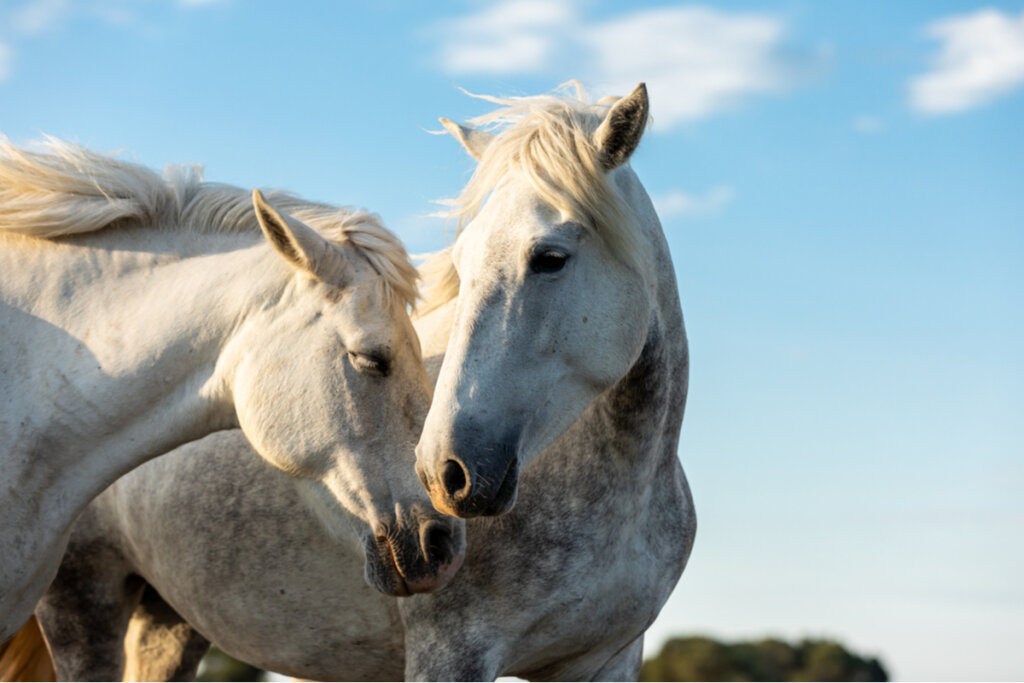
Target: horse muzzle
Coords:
[[464, 487], [417, 555]]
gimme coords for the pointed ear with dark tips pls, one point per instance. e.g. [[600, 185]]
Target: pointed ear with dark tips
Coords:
[[475, 141], [299, 244], [620, 132]]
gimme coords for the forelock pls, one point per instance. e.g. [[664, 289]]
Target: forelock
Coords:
[[549, 140]]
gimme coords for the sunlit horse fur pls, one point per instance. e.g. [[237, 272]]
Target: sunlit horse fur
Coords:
[[140, 312], [561, 586]]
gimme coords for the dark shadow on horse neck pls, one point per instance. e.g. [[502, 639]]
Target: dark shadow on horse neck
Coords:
[[629, 435]]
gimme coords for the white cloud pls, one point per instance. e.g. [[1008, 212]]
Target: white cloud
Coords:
[[39, 15], [679, 203], [514, 36], [696, 60], [981, 58], [5, 61]]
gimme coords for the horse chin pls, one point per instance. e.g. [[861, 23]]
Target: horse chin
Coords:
[[434, 582], [391, 584], [384, 573]]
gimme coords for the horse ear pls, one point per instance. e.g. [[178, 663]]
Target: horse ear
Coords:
[[299, 244], [620, 132], [475, 141]]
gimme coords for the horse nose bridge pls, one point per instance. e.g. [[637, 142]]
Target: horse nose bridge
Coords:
[[452, 433], [471, 407], [481, 453], [482, 360], [484, 437]]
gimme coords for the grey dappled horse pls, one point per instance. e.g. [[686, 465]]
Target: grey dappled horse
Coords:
[[556, 413]]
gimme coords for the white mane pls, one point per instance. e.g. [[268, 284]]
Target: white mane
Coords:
[[65, 189], [549, 139]]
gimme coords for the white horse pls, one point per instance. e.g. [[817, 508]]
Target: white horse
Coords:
[[138, 313], [563, 383], [563, 585]]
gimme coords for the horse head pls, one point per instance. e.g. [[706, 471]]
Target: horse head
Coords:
[[554, 292], [329, 386]]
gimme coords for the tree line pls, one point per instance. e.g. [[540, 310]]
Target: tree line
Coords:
[[698, 658], [692, 658]]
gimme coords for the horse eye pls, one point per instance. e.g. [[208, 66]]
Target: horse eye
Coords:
[[548, 261], [372, 365]]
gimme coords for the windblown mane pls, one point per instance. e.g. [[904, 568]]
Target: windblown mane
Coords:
[[549, 140], [65, 189]]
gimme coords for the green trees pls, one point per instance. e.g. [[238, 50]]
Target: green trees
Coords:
[[703, 659]]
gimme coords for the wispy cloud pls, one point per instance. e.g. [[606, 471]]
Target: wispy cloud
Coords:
[[700, 61], [696, 60], [679, 203], [981, 58], [515, 36], [38, 16]]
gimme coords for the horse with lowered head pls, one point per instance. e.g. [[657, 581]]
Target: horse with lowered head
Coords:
[[140, 312]]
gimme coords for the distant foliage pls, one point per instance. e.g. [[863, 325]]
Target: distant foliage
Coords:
[[217, 665], [703, 659], [682, 659]]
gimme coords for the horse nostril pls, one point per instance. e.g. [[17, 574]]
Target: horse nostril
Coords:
[[437, 543], [454, 478]]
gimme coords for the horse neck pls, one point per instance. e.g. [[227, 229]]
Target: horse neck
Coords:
[[629, 434], [639, 417], [131, 326]]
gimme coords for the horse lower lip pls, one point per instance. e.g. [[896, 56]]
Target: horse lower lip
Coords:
[[402, 590], [445, 572], [390, 562]]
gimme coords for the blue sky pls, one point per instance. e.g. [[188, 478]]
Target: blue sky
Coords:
[[841, 186]]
